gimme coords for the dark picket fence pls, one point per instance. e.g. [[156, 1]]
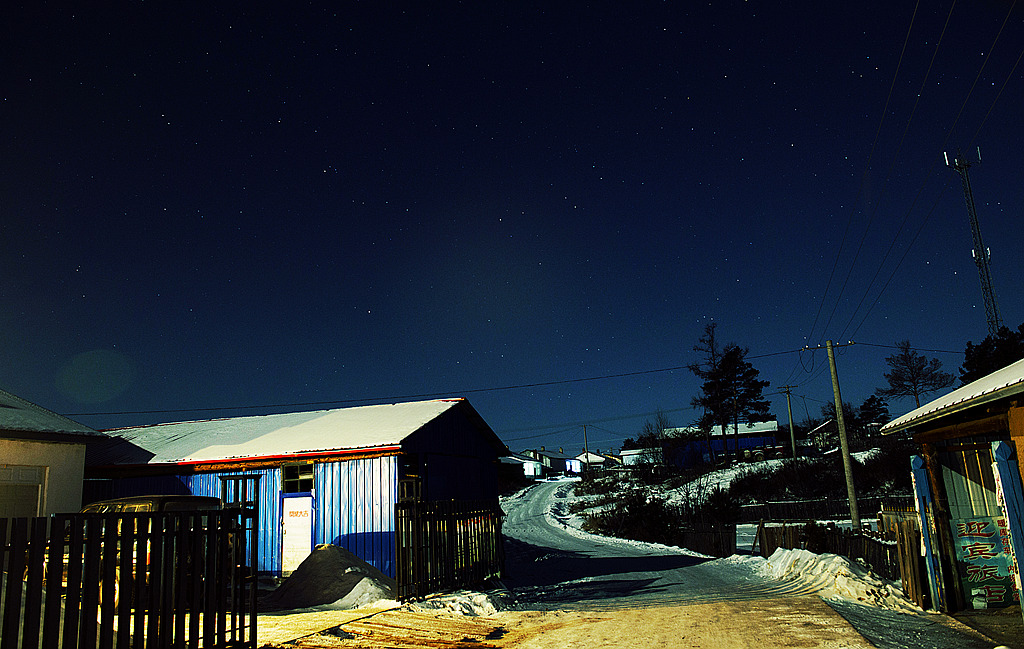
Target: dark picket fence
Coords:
[[446, 545], [810, 509], [892, 552], [714, 542], [148, 581]]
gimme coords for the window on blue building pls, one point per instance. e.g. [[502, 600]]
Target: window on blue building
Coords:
[[297, 478]]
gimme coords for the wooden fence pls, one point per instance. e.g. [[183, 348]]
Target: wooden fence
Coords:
[[446, 545], [811, 509], [892, 552], [148, 581], [714, 542]]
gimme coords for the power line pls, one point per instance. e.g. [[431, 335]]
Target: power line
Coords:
[[422, 395], [892, 165]]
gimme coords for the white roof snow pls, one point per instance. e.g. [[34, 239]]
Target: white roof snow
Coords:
[[17, 414], [364, 427], [1000, 384]]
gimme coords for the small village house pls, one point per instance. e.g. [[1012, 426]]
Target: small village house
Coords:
[[42, 459], [968, 489], [329, 476], [594, 460], [552, 462]]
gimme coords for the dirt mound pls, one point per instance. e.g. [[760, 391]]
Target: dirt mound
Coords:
[[331, 576]]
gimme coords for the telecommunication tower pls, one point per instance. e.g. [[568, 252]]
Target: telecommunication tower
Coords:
[[981, 254]]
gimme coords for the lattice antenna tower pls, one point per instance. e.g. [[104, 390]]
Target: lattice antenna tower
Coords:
[[982, 255]]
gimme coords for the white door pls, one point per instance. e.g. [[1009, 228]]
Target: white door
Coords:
[[20, 487], [296, 532]]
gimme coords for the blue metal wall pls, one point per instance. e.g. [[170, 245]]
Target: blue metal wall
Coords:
[[353, 503], [208, 484], [355, 508]]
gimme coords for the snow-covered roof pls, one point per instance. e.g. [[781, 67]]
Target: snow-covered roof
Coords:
[[554, 455], [21, 416], [360, 428], [744, 429], [515, 458], [1000, 384]]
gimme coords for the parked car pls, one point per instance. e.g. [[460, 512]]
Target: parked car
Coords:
[[143, 505], [159, 503]]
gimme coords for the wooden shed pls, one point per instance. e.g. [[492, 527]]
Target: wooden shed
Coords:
[[968, 487], [328, 476]]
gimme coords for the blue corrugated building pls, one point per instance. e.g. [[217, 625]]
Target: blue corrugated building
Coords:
[[329, 476]]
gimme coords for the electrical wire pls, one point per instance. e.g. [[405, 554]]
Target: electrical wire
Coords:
[[860, 189]]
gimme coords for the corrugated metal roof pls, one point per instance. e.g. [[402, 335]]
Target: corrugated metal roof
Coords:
[[1000, 384], [364, 427], [17, 414]]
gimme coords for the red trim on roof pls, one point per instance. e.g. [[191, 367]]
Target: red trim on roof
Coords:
[[289, 456]]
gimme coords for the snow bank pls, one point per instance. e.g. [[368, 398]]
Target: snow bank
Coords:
[[835, 577], [470, 603]]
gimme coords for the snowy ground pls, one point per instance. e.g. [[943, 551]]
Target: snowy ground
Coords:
[[835, 577], [571, 587]]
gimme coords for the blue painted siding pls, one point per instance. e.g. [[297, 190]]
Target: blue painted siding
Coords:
[[208, 484], [353, 501], [355, 508]]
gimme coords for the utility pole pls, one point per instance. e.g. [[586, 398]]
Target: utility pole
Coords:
[[789, 407], [981, 254], [843, 444], [586, 453]]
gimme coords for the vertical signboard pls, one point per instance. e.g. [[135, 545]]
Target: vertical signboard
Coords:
[[1011, 502], [984, 564], [296, 531]]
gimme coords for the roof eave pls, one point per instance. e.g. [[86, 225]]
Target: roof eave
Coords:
[[237, 463], [1004, 392]]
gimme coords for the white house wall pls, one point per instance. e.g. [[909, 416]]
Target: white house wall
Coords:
[[63, 468]]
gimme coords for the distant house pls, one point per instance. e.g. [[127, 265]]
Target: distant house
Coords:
[[968, 489], [528, 466], [638, 456], [42, 459], [552, 462], [595, 460], [714, 447], [329, 476]]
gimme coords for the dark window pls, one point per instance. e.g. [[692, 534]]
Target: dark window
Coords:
[[297, 478]]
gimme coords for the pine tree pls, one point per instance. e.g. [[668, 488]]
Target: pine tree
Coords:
[[991, 354], [731, 391], [912, 375]]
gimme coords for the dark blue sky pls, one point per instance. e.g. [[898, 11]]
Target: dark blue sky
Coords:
[[223, 205]]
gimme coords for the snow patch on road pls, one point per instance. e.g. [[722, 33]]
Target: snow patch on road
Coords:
[[837, 578], [469, 603]]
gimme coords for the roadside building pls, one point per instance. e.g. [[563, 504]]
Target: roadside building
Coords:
[[527, 466], [42, 459], [968, 488], [749, 441], [553, 462], [638, 456], [329, 476]]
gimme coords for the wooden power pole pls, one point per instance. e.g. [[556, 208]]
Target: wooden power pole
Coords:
[[843, 444], [789, 407]]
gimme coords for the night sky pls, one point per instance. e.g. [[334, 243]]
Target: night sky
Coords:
[[218, 209]]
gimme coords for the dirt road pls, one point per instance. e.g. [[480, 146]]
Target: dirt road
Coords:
[[589, 592], [791, 622]]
